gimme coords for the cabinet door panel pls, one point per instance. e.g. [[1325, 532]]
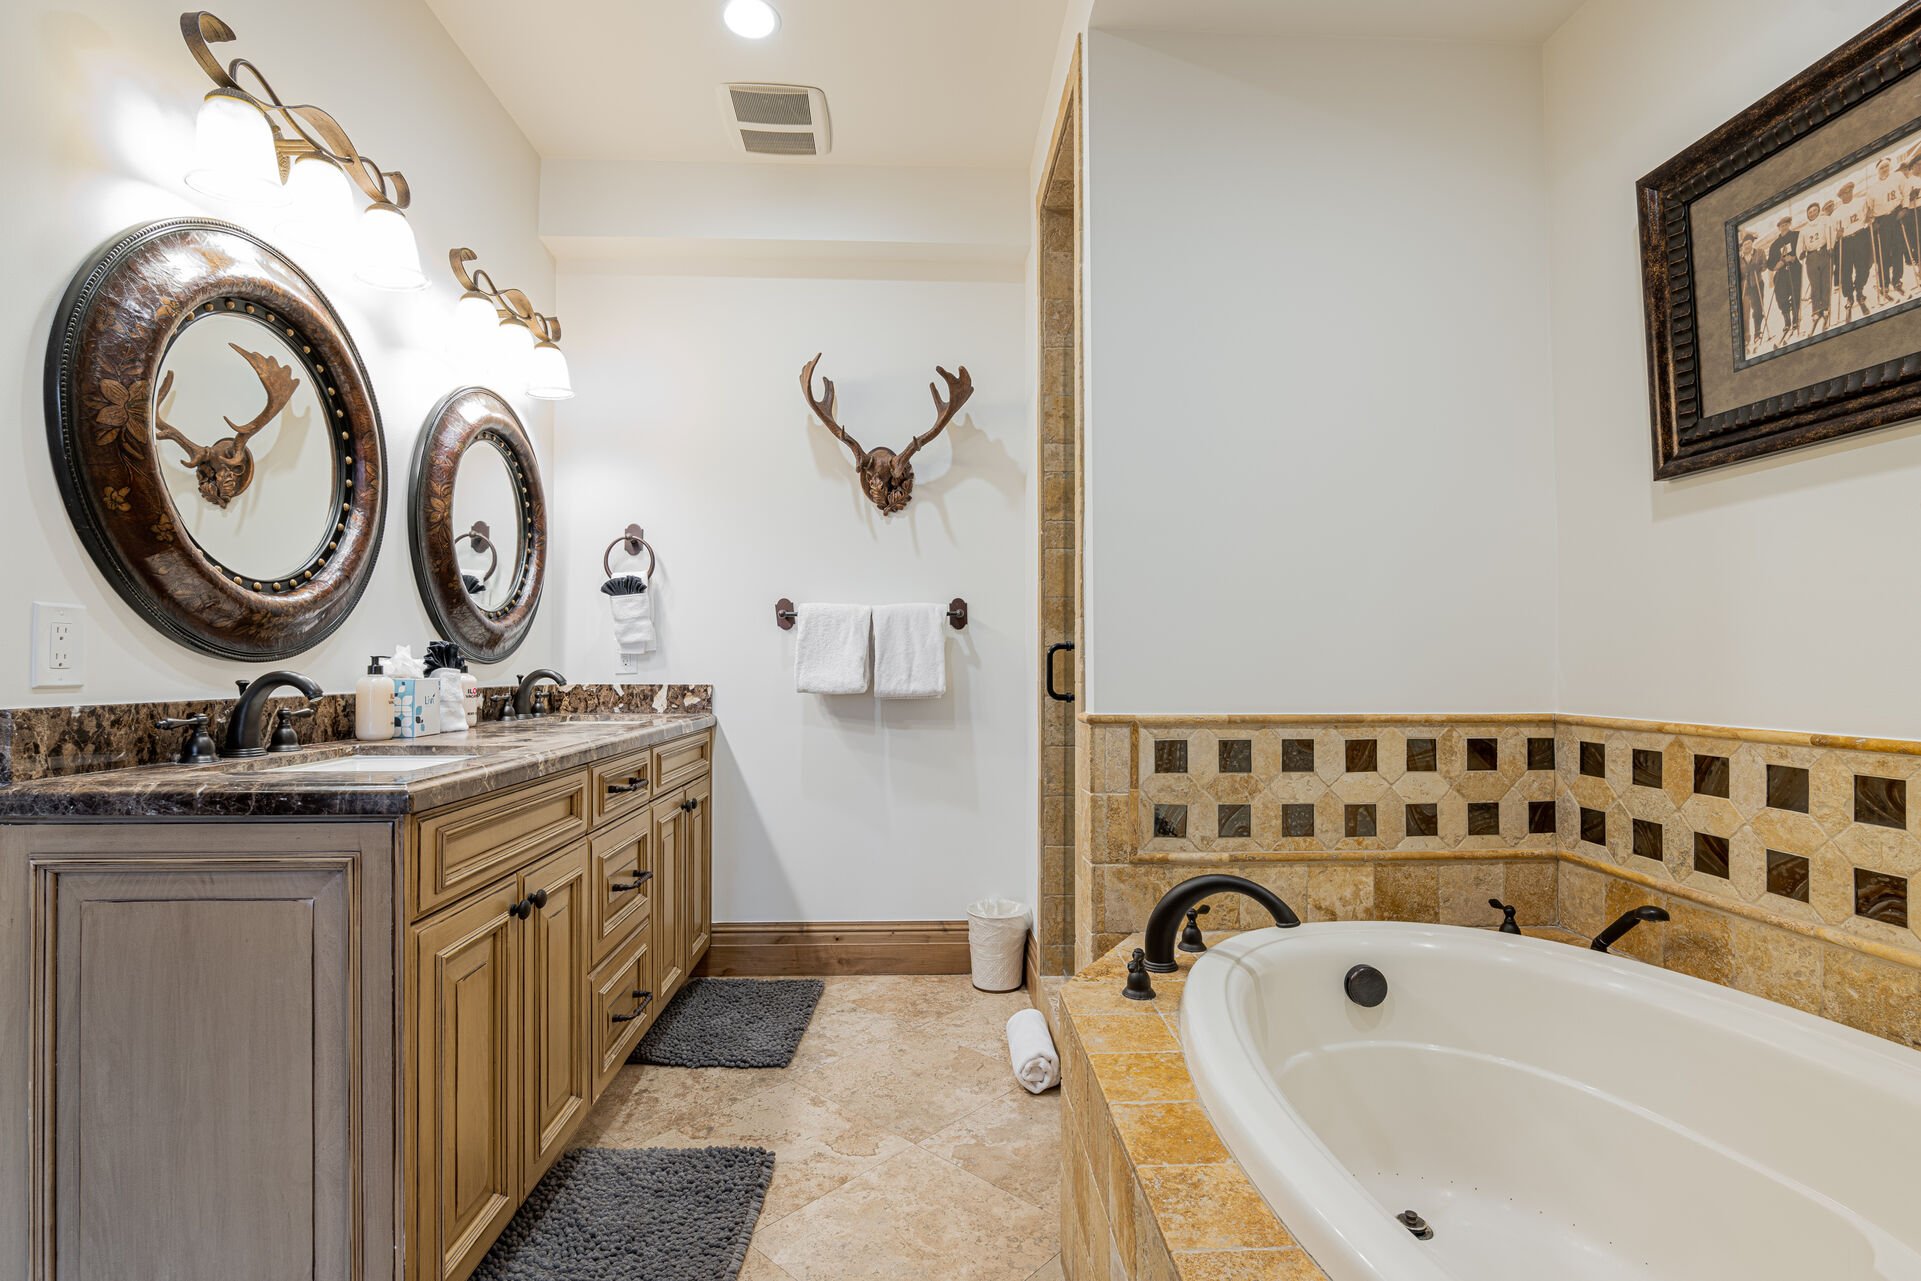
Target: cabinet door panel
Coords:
[[699, 869], [620, 881], [670, 896], [554, 1019], [467, 1013]]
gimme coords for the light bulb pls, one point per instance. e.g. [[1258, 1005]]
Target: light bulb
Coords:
[[233, 152], [750, 19], [547, 377], [323, 204], [387, 255]]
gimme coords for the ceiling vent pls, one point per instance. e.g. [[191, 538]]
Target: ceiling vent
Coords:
[[777, 120]]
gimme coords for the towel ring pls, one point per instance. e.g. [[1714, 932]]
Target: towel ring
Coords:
[[481, 538], [634, 543]]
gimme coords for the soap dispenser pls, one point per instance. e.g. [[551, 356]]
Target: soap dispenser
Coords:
[[374, 703]]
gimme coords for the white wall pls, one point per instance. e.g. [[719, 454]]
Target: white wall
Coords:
[[690, 421], [100, 101], [1319, 462], [1775, 593]]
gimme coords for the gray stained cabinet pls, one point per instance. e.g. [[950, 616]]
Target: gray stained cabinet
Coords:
[[335, 1051]]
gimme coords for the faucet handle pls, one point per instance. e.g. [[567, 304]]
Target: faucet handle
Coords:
[[198, 747], [284, 739], [1139, 986], [1191, 940], [1508, 925]]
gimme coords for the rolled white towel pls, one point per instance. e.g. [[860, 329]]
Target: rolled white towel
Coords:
[[1037, 1065], [633, 622]]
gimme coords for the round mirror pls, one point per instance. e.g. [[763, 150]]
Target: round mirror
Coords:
[[479, 524], [487, 522], [243, 446]]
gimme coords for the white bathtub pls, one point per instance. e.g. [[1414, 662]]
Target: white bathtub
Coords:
[[1553, 1113]]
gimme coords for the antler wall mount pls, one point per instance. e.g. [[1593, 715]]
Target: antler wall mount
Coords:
[[224, 469], [887, 476]]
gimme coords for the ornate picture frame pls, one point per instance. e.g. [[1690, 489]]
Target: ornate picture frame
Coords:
[[1781, 261]]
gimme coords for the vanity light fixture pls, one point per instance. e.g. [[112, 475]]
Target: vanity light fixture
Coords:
[[751, 19], [244, 142], [501, 326]]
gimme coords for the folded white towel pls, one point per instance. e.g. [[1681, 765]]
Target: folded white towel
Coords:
[[830, 648], [1037, 1065], [633, 622], [910, 651]]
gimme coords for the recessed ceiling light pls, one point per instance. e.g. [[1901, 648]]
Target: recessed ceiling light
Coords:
[[750, 19]]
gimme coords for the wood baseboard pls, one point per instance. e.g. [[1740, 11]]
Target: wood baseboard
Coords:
[[775, 948], [1031, 965]]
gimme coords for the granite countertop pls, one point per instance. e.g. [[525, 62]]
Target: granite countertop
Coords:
[[497, 754]]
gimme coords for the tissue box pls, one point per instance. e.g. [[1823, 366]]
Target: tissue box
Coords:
[[416, 706]]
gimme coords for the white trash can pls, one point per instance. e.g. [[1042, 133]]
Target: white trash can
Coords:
[[997, 943]]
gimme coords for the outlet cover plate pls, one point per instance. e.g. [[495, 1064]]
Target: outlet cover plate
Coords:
[[627, 665], [59, 645]]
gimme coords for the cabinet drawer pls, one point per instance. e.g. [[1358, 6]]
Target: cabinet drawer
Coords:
[[622, 785], [682, 759], [621, 1004], [620, 881], [465, 846]]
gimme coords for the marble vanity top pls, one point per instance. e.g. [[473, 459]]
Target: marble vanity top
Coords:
[[495, 755]]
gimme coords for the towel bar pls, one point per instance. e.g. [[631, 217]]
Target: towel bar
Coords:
[[785, 614]]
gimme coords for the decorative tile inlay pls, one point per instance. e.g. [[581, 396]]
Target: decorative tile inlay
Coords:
[[1882, 897], [1360, 819], [1542, 817], [1594, 760], [1880, 801], [1594, 826], [1711, 854], [1483, 818], [1170, 821], [1170, 756], [1297, 820], [1647, 839], [1297, 756], [1540, 753], [1424, 819], [1647, 767], [1237, 756], [1710, 775], [1422, 756], [1483, 753], [1363, 756], [1233, 822], [1788, 875], [1788, 788]]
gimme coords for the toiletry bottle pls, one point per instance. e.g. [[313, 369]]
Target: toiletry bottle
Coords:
[[470, 694], [374, 704]]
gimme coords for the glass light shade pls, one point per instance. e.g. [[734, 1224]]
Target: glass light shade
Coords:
[[750, 19], [513, 349], [322, 215], [387, 257], [233, 152], [547, 377], [475, 320]]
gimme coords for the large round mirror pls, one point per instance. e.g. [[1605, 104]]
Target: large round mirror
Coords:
[[216, 440], [479, 524]]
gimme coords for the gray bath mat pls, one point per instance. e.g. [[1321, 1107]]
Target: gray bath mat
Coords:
[[635, 1214], [731, 1023]]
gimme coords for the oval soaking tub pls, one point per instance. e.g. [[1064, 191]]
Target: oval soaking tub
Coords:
[[1551, 1112]]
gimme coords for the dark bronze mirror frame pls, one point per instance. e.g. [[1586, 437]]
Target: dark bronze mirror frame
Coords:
[[463, 419], [111, 335]]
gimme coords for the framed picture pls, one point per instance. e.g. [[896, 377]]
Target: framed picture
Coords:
[[1781, 263]]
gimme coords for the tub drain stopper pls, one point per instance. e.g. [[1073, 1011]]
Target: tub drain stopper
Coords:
[[1414, 1223]]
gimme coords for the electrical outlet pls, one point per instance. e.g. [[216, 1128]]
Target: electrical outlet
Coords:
[[627, 665], [59, 645]]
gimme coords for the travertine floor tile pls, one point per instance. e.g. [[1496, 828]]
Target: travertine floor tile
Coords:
[[913, 1087], [1014, 1143], [761, 1268], [642, 1099], [913, 1215], [1050, 1271]]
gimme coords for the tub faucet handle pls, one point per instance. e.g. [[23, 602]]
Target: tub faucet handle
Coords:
[[1191, 940], [1507, 919], [1139, 986]]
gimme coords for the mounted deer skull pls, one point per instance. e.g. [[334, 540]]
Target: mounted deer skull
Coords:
[[225, 468], [888, 477]]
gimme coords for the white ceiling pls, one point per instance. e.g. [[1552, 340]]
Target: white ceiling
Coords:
[[908, 82], [1507, 21]]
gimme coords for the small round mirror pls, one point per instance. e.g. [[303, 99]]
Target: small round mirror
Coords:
[[243, 447], [487, 521]]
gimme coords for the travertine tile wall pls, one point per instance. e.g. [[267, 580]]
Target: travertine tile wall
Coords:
[[1786, 859]]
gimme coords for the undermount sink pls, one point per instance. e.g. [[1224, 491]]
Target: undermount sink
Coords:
[[370, 765]]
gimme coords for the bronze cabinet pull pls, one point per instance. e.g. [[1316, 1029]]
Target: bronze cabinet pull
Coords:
[[640, 879], [634, 783], [525, 908], [645, 999]]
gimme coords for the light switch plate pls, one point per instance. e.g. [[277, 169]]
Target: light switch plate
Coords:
[[59, 645], [627, 665]]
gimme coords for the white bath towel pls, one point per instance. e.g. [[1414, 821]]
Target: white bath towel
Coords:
[[910, 651], [1037, 1065], [633, 622], [830, 648]]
